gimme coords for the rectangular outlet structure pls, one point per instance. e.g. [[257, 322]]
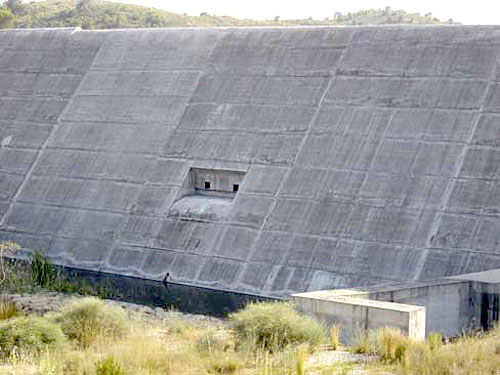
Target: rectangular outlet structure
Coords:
[[215, 182]]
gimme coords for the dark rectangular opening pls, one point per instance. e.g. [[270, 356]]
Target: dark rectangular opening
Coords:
[[213, 182]]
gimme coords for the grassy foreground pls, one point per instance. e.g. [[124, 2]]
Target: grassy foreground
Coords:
[[103, 339], [91, 337]]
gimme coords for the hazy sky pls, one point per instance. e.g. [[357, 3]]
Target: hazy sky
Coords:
[[467, 12]]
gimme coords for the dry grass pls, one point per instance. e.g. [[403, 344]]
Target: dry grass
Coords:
[[157, 349], [8, 308], [177, 346], [465, 356], [334, 336]]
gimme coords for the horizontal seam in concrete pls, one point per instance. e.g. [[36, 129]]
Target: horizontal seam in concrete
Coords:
[[428, 78], [349, 105], [111, 122], [258, 103], [158, 95], [117, 69], [183, 159], [23, 149], [237, 131], [40, 73], [50, 96]]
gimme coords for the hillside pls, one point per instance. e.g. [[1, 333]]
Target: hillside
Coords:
[[97, 14]]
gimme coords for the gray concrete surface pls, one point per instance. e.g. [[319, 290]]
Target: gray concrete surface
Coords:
[[355, 315], [450, 306], [371, 154]]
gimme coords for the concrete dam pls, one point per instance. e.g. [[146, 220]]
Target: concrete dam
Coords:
[[265, 161]]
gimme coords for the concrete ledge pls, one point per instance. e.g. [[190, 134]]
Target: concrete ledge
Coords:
[[356, 314]]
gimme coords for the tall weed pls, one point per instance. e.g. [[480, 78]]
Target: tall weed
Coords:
[[210, 341], [334, 336], [302, 352], [392, 344], [44, 273], [8, 308], [273, 326]]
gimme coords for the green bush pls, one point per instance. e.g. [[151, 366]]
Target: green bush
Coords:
[[29, 334], [273, 326], [108, 366], [8, 308], [87, 319], [44, 273], [6, 18], [224, 364]]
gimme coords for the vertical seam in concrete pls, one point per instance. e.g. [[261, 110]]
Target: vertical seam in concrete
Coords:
[[451, 184], [365, 178], [205, 70], [41, 150], [332, 76], [118, 241], [366, 318]]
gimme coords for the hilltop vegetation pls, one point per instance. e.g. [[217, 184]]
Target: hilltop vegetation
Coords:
[[98, 14]]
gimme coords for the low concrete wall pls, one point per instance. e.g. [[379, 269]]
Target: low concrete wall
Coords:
[[450, 306], [355, 314]]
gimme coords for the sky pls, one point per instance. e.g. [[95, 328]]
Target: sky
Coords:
[[486, 12]]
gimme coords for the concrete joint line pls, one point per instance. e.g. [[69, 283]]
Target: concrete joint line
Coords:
[[272, 207]]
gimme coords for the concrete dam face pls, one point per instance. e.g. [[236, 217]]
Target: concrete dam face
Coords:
[[258, 160]]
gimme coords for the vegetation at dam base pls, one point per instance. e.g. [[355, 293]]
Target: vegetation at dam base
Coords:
[[92, 337], [98, 14], [89, 336]]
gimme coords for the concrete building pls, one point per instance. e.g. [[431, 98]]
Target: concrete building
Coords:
[[266, 161]]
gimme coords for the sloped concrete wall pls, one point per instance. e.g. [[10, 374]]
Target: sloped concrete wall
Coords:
[[370, 154]]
